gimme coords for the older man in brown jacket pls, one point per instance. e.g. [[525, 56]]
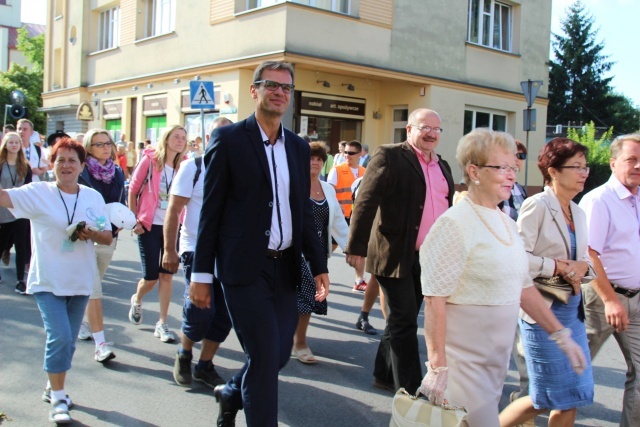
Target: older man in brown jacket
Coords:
[[406, 188]]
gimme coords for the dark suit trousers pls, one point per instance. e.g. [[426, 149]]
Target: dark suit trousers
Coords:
[[398, 359], [264, 315]]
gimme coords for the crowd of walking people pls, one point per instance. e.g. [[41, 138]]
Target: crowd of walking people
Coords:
[[534, 273]]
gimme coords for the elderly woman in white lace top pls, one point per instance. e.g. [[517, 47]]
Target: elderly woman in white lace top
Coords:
[[475, 277]]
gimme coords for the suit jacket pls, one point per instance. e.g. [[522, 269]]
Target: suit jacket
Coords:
[[543, 229], [233, 234], [386, 217]]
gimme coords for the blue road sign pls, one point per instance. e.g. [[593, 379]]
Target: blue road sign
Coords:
[[201, 94]]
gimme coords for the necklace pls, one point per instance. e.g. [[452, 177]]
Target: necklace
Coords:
[[569, 218], [486, 224]]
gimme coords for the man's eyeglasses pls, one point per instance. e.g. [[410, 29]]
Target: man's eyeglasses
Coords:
[[102, 144], [427, 128], [272, 86], [502, 170], [351, 153], [521, 156], [579, 169]]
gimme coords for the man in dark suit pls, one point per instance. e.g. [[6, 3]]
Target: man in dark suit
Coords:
[[406, 188], [255, 223]]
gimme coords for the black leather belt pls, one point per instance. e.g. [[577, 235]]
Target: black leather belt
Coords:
[[626, 292], [275, 254]]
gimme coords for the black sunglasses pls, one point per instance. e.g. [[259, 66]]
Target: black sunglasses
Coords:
[[521, 156], [75, 236], [352, 153]]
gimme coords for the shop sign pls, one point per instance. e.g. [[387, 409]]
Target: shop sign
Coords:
[[112, 109], [313, 104], [154, 105]]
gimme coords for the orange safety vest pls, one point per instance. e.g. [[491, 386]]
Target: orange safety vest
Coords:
[[343, 186]]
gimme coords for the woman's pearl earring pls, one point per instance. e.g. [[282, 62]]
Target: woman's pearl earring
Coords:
[[476, 182]]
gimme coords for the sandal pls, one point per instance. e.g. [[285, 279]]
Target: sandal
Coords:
[[59, 413], [304, 355]]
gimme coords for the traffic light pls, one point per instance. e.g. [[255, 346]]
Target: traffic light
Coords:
[[17, 110]]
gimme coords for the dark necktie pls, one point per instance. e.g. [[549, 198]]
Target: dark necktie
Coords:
[[275, 178]]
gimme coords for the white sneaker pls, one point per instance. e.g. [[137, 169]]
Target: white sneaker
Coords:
[[84, 333], [104, 353], [135, 312], [162, 331], [59, 413]]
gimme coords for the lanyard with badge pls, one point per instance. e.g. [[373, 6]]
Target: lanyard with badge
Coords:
[[164, 197], [67, 244]]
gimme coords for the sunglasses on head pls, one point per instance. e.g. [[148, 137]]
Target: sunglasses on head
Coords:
[[521, 156], [352, 153]]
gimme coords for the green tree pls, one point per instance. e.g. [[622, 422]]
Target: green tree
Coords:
[[29, 81], [597, 157], [31, 47], [623, 116], [578, 90]]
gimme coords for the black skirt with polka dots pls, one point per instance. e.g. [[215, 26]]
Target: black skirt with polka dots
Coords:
[[307, 290]]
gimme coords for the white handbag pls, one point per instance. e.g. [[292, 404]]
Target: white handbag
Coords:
[[416, 411]]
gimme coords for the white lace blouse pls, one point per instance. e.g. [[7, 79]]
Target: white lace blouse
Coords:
[[470, 261]]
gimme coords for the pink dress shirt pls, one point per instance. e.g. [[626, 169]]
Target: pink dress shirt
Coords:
[[613, 220], [435, 199]]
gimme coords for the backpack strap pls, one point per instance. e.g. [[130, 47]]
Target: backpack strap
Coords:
[[198, 161], [39, 151]]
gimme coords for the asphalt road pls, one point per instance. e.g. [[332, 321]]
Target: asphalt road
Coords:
[[137, 388]]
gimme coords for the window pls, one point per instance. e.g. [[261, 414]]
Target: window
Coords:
[[161, 17], [400, 117], [341, 6], [484, 119], [109, 29], [490, 24]]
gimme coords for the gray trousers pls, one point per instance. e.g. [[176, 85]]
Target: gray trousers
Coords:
[[598, 330]]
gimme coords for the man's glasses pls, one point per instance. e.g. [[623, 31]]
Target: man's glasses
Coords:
[[102, 144], [272, 86], [351, 153], [579, 169], [427, 128], [521, 156], [502, 170]]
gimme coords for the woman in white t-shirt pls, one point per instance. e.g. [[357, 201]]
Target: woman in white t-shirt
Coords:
[[148, 200], [62, 297]]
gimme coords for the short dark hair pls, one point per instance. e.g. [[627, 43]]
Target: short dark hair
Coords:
[[9, 128], [66, 143], [521, 147], [556, 152], [318, 150], [272, 65], [355, 144]]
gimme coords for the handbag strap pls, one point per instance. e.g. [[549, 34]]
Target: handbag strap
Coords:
[[444, 406]]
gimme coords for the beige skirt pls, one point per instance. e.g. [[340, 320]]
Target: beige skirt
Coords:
[[478, 346]]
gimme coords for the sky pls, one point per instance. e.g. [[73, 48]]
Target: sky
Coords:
[[615, 20]]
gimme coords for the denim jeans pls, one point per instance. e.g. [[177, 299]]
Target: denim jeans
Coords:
[[61, 317]]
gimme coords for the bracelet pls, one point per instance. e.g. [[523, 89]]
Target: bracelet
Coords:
[[555, 267]]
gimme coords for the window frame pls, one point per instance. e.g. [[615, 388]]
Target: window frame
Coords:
[[399, 124], [157, 11], [335, 4], [491, 113], [479, 17], [109, 28]]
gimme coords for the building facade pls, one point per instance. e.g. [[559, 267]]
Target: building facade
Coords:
[[361, 65], [10, 22]]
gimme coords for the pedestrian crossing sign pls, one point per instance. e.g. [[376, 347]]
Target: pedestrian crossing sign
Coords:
[[201, 94]]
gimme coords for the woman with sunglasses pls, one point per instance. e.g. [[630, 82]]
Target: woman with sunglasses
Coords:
[[103, 175], [63, 270], [148, 200], [518, 194], [15, 171]]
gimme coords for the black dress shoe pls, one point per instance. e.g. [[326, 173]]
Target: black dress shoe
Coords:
[[227, 414], [383, 385]]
